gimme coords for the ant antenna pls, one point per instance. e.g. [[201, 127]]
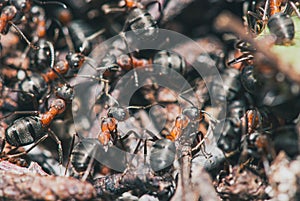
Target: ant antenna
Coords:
[[90, 61], [68, 39], [187, 100], [52, 53], [209, 131], [106, 85], [66, 34], [210, 116], [91, 37], [107, 9], [202, 111], [142, 107], [122, 34], [160, 9], [23, 36], [265, 10], [51, 2], [295, 8]]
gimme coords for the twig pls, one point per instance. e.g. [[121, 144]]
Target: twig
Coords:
[[111, 187], [202, 184], [29, 186]]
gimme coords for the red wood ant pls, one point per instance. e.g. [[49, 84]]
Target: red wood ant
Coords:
[[138, 19], [31, 129], [109, 133], [13, 13]]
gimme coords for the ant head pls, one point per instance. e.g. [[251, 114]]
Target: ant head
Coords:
[[119, 113], [75, 60], [22, 5], [181, 121], [110, 62], [37, 11], [124, 60], [59, 104], [65, 92], [193, 113], [237, 108], [65, 16]]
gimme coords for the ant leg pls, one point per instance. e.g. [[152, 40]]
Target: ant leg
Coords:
[[89, 167], [203, 139], [106, 86], [244, 57], [91, 37], [107, 9], [252, 14], [27, 151], [122, 34], [91, 62], [145, 151], [244, 46], [32, 96], [128, 134], [68, 39], [58, 142], [142, 107], [203, 148], [50, 2], [71, 148], [295, 8], [35, 113], [153, 136], [160, 9], [264, 18], [23, 36], [3, 142], [137, 147]]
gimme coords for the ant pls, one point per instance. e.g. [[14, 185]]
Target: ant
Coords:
[[162, 60], [37, 84], [139, 19], [162, 155], [228, 87], [7, 102], [82, 155], [190, 116], [31, 129], [247, 51], [13, 13], [261, 118], [278, 21], [39, 59], [259, 147], [109, 133]]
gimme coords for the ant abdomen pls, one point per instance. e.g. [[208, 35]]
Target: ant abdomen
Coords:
[[24, 131], [142, 23], [282, 26], [162, 154]]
